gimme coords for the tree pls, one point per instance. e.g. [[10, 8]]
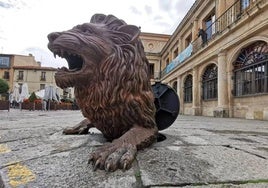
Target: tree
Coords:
[[33, 97], [4, 87]]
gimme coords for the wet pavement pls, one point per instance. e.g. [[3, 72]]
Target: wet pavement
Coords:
[[198, 152]]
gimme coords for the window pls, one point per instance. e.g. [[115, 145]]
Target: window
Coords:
[[210, 82], [4, 62], [20, 76], [188, 40], [210, 25], [151, 67], [175, 53], [174, 85], [42, 86], [188, 89], [6, 75], [251, 70], [167, 61], [43, 76], [244, 4]]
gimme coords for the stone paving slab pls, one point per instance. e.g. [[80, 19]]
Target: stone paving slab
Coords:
[[198, 152]]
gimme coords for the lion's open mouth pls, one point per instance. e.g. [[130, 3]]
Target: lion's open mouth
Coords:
[[75, 61]]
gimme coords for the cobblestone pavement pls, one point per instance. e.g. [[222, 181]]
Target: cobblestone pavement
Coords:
[[198, 152]]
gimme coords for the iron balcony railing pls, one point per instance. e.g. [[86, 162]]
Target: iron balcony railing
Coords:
[[42, 78], [19, 77], [226, 20]]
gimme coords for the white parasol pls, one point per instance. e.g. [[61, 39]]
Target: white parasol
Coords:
[[24, 92], [50, 94], [40, 93], [15, 96]]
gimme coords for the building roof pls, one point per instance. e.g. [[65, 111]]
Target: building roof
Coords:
[[35, 68], [154, 34]]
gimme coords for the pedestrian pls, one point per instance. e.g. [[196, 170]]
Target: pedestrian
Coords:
[[203, 35]]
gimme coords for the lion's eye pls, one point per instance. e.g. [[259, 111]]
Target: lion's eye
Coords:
[[85, 28], [81, 28]]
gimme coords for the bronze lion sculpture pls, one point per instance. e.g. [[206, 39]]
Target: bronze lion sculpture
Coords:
[[109, 71]]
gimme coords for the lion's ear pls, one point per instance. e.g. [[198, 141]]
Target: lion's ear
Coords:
[[97, 18], [131, 30]]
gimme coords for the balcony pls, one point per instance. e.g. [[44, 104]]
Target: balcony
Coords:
[[19, 77], [227, 20], [42, 78], [186, 53]]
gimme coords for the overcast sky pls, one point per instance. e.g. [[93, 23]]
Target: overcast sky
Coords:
[[25, 24]]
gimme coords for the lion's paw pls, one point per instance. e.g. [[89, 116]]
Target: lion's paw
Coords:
[[111, 157]]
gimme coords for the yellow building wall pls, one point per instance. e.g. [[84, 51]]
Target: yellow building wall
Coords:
[[153, 44], [21, 60], [33, 78], [17, 60]]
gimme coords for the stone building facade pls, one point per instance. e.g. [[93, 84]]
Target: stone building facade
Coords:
[[153, 44], [8, 61], [37, 78], [20, 69], [222, 72]]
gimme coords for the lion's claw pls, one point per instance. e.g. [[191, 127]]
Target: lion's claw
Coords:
[[107, 167], [113, 157], [125, 166], [97, 164]]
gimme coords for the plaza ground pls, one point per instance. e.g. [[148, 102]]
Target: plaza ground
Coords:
[[198, 152]]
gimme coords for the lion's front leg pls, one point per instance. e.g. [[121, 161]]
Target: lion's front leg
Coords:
[[120, 153], [80, 128]]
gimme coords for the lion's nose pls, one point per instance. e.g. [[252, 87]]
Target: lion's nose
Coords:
[[52, 36]]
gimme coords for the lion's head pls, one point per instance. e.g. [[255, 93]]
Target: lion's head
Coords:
[[91, 48]]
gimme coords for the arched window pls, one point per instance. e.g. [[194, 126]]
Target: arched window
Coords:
[[210, 82], [174, 85], [188, 89], [251, 70]]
